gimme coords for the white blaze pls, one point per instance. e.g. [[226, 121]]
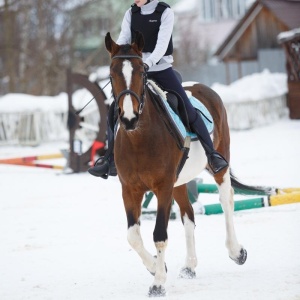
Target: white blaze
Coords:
[[127, 104]]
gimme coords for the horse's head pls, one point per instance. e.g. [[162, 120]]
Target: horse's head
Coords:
[[127, 78]]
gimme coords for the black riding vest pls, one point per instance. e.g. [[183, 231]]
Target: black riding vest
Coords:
[[149, 25]]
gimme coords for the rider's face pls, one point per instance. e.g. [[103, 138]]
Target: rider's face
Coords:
[[140, 3]]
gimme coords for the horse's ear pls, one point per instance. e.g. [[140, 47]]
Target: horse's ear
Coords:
[[110, 44], [139, 40]]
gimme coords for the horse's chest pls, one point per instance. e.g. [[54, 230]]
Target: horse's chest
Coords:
[[146, 162]]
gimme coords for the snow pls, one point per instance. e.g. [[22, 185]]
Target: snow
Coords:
[[15, 103], [27, 103], [256, 86], [64, 236], [288, 35]]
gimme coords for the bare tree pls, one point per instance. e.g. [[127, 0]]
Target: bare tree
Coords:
[[36, 44]]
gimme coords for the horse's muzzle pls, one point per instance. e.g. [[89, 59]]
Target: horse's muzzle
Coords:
[[130, 124]]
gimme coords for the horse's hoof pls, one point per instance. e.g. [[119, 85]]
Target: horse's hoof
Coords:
[[187, 273], [157, 291], [242, 258]]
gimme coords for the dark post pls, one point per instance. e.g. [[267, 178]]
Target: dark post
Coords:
[[290, 41]]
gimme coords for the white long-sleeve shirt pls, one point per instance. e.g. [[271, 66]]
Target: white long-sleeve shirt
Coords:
[[156, 59]]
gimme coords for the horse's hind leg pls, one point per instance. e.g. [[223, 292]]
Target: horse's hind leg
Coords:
[[132, 202], [187, 216], [236, 251]]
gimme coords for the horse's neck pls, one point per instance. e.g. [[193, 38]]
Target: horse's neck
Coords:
[[150, 118]]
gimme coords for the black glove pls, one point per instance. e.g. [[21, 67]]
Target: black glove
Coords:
[[146, 67]]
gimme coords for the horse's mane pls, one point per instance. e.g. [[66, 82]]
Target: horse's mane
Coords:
[[157, 89], [127, 49]]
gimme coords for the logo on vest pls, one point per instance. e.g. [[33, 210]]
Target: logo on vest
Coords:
[[152, 21]]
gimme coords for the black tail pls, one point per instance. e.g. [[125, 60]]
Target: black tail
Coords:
[[244, 189]]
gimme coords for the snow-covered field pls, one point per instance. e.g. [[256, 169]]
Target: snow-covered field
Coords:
[[64, 236]]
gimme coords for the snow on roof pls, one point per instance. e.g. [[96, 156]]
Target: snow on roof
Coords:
[[288, 35]]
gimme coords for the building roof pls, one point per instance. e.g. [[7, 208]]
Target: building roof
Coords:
[[286, 11]]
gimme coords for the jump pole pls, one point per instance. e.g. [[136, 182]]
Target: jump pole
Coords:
[[282, 196], [29, 161], [211, 209]]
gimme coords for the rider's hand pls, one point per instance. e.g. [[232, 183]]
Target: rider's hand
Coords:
[[146, 67]]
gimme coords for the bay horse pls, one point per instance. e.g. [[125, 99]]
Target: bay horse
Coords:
[[147, 158]]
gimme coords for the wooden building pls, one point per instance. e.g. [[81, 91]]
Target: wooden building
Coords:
[[257, 31], [290, 41]]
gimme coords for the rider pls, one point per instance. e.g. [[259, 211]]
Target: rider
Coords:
[[155, 21]]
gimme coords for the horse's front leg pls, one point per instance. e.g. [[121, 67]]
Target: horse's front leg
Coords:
[[236, 251], [160, 237], [132, 201]]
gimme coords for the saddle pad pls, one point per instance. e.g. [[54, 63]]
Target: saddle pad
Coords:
[[208, 121], [204, 113], [201, 109]]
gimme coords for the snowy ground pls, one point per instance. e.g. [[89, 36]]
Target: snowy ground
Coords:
[[64, 236]]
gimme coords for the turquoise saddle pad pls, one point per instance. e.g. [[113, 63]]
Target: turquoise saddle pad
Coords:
[[202, 110]]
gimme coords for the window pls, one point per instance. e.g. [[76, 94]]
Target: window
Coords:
[[215, 10]]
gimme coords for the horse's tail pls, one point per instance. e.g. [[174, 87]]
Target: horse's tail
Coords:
[[246, 189]]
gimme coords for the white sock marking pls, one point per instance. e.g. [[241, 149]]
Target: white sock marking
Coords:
[[191, 258], [135, 240], [226, 199]]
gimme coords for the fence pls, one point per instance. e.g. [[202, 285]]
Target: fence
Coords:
[[32, 128]]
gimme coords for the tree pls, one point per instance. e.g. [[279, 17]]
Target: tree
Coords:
[[36, 44]]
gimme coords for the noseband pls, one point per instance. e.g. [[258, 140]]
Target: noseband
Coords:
[[141, 100]]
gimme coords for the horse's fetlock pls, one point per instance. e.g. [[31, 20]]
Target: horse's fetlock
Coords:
[[160, 277], [234, 250], [191, 262]]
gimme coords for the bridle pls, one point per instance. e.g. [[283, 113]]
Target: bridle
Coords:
[[141, 99]]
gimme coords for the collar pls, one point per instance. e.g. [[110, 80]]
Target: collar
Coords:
[[149, 8]]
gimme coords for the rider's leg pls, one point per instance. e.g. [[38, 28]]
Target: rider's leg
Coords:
[[105, 165], [168, 79]]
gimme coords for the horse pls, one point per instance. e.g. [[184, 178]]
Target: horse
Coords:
[[147, 158]]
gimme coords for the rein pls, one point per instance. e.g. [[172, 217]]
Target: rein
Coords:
[[141, 100]]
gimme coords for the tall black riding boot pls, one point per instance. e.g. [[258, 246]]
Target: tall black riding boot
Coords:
[[105, 165], [215, 160]]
